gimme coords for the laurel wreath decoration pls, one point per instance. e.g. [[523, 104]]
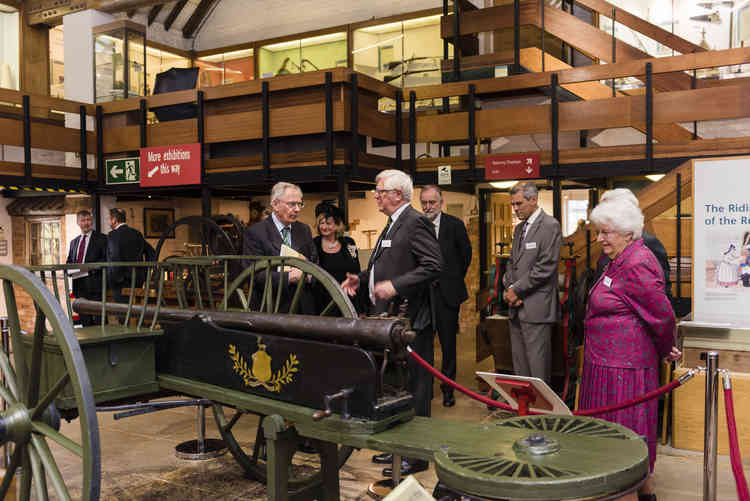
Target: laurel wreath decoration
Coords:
[[275, 383]]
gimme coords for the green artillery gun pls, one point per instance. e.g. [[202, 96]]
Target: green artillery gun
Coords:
[[316, 378]]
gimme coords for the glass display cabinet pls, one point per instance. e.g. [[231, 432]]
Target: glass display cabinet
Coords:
[[119, 61], [306, 54]]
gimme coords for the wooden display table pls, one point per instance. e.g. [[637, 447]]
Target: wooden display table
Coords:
[[733, 347]]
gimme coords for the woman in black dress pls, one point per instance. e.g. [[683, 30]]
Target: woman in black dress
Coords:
[[337, 253]]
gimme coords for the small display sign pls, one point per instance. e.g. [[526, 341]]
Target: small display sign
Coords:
[[122, 170], [444, 174], [506, 167], [171, 165]]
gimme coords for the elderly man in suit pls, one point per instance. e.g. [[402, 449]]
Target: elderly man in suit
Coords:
[[88, 247], [449, 291], [405, 261], [125, 244], [265, 238], [531, 284]]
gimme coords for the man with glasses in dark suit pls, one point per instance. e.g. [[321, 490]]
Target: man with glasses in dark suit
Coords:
[[266, 237], [405, 261]]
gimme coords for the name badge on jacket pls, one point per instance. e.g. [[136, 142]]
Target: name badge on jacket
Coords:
[[530, 245], [385, 243]]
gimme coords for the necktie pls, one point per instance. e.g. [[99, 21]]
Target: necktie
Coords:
[[523, 233], [285, 236], [81, 249], [385, 230]]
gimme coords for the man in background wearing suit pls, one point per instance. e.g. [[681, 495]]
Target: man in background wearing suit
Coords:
[[125, 244], [406, 260], [450, 290], [88, 247], [531, 284], [265, 238]]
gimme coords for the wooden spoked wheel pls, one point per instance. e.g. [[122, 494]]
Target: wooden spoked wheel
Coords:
[[304, 469], [256, 289], [30, 421]]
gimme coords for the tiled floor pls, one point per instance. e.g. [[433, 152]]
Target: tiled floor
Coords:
[[138, 460]]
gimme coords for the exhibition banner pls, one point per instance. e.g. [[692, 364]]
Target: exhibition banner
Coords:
[[171, 165], [721, 242]]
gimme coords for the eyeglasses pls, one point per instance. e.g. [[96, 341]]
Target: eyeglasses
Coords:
[[605, 233], [380, 193], [430, 202], [292, 205]]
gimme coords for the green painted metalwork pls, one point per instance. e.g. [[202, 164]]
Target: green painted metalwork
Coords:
[[530, 458], [27, 419]]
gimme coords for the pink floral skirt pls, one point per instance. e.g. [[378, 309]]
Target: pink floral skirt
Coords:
[[603, 386]]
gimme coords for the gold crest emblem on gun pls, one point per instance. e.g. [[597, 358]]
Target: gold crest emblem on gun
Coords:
[[260, 373]]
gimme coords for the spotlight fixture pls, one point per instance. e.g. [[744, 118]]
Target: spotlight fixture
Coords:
[[503, 185]]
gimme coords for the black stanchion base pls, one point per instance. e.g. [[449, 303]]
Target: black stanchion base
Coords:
[[192, 450]]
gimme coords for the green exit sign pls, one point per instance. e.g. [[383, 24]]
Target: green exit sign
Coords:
[[123, 170]]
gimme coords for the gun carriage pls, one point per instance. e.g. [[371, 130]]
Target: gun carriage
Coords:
[[228, 343]]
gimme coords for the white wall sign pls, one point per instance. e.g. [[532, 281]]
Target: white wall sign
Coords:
[[721, 241], [444, 174]]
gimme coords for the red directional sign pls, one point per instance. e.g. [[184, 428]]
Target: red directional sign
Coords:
[[517, 166], [171, 165]]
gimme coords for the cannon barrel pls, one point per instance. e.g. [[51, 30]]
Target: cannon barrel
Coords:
[[371, 333]]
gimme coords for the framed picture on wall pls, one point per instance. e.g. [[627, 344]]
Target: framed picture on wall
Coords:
[[156, 222]]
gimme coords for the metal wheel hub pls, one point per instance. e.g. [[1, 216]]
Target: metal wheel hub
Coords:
[[15, 424], [536, 444]]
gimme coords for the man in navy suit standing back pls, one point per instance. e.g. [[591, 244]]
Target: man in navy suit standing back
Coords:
[[126, 244]]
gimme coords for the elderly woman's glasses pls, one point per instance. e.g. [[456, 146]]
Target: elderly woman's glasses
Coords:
[[605, 233]]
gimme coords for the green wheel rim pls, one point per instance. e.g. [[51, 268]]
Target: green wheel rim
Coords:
[[30, 427]]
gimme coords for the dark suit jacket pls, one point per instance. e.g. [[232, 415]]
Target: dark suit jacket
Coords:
[[264, 239], [89, 287], [657, 248], [127, 244], [532, 270], [455, 249], [411, 263]]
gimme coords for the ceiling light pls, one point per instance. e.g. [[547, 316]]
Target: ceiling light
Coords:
[[503, 185], [654, 177]]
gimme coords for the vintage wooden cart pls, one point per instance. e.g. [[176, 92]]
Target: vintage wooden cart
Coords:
[[326, 378]]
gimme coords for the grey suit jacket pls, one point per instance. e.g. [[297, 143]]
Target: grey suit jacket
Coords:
[[411, 261], [532, 270]]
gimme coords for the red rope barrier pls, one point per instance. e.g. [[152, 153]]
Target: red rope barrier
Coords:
[[588, 412], [442, 377], [734, 447], [635, 401]]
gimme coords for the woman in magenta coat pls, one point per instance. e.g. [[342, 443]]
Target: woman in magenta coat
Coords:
[[629, 326]]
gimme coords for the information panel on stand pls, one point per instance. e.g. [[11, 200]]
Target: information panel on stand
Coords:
[[721, 241]]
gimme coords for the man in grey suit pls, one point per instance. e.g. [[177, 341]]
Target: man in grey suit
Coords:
[[530, 283], [406, 260]]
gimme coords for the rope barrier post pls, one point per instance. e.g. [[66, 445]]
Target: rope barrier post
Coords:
[[710, 425], [743, 494]]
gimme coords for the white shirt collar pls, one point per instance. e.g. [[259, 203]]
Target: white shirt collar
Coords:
[[279, 224], [398, 212], [533, 217]]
